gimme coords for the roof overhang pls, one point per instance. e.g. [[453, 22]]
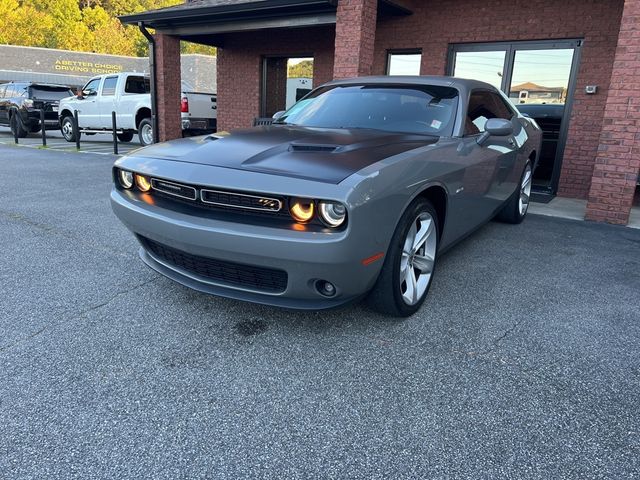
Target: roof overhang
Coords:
[[188, 20]]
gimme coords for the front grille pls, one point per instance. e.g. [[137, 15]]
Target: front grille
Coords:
[[269, 280], [177, 189], [240, 200]]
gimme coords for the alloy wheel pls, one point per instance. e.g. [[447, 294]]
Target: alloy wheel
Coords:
[[418, 258], [67, 129], [525, 190], [147, 134]]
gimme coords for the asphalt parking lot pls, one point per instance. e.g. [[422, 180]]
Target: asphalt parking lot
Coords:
[[101, 144], [523, 363]]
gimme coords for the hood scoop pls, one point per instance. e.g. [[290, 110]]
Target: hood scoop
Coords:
[[312, 147]]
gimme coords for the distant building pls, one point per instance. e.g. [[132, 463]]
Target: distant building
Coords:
[[532, 93], [75, 68]]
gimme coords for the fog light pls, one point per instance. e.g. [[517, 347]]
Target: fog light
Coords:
[[143, 183], [301, 210], [126, 178], [325, 288]]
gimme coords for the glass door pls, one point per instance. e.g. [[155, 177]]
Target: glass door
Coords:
[[539, 78], [539, 86]]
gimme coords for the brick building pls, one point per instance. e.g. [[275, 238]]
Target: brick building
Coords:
[[589, 51]]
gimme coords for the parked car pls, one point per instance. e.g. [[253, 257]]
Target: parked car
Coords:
[[355, 190], [127, 94], [21, 103], [199, 111]]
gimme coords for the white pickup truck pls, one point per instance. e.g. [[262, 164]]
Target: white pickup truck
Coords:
[[127, 94]]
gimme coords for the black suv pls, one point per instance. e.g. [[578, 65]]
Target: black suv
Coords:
[[20, 105]]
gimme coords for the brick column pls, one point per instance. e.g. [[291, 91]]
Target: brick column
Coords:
[[168, 85], [618, 159], [355, 37]]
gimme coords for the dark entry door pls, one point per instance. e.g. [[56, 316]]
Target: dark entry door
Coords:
[[539, 77]]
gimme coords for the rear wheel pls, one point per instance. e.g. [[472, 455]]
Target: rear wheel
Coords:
[[409, 266], [517, 206], [145, 132], [35, 129], [66, 127], [18, 128], [125, 136]]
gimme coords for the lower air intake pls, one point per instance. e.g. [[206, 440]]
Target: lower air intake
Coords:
[[268, 280]]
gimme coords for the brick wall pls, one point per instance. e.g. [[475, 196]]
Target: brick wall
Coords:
[[168, 84], [240, 64], [437, 23], [618, 160], [355, 38]]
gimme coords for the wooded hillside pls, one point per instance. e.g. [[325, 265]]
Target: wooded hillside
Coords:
[[85, 25]]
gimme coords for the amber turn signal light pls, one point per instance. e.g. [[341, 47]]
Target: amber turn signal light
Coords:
[[143, 183], [301, 210]]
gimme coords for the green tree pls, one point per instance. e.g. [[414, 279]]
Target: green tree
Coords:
[[302, 69], [82, 25]]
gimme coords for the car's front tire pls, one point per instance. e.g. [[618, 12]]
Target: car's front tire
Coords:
[[517, 206], [410, 262], [66, 127], [17, 126]]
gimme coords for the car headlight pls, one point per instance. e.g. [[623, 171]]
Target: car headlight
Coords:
[[143, 183], [333, 214], [125, 178], [301, 209]]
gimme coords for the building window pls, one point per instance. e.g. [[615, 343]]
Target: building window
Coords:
[[405, 62]]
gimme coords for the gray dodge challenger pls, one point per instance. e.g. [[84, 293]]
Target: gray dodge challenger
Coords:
[[352, 192]]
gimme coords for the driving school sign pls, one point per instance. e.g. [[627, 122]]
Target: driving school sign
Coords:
[[86, 67]]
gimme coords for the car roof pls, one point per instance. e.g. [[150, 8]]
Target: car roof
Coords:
[[37, 84], [439, 80]]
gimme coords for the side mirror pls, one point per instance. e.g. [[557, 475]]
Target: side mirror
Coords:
[[496, 127], [277, 115]]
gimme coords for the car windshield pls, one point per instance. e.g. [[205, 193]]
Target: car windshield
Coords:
[[42, 92], [422, 109]]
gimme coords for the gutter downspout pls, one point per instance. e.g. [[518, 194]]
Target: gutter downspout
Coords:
[[154, 89]]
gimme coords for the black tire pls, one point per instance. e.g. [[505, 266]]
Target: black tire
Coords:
[[513, 211], [387, 295], [66, 127], [35, 129], [18, 128], [143, 132], [125, 136]]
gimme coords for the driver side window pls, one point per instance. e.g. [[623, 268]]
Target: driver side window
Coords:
[[484, 105], [91, 86]]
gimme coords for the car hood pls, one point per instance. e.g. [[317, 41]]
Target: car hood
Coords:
[[324, 155]]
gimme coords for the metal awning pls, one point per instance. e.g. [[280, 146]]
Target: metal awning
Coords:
[[215, 17]]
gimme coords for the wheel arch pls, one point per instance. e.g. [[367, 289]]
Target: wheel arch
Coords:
[[141, 114], [437, 195]]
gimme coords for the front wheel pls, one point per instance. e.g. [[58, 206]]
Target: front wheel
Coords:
[[145, 132], [68, 132], [517, 206], [18, 128], [409, 266]]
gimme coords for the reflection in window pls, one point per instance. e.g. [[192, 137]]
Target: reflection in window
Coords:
[[484, 66], [541, 76], [404, 63]]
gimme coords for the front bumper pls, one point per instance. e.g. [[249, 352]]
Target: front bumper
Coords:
[[306, 257]]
